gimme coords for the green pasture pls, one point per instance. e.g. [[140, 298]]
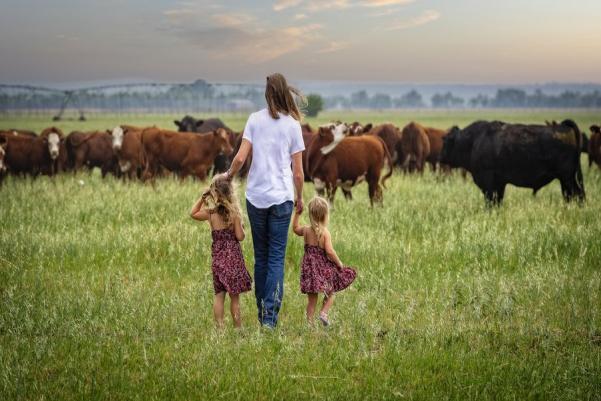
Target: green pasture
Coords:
[[106, 293]]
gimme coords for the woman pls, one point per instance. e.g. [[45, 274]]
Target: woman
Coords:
[[275, 137]]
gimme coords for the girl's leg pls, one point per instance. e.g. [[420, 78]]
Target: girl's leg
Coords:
[[235, 310], [328, 301], [311, 303], [218, 302]]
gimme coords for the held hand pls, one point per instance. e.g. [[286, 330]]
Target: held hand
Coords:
[[224, 176], [300, 206]]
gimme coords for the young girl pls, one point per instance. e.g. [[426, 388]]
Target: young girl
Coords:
[[219, 206], [321, 269]]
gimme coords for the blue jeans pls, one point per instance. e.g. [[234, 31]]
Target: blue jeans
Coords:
[[269, 229]]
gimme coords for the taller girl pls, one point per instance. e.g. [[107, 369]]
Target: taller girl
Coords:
[[275, 138]]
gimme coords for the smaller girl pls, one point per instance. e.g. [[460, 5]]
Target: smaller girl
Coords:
[[321, 269], [219, 206]]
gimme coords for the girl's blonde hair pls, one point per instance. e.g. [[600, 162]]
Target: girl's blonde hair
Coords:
[[279, 97], [221, 198], [319, 210]]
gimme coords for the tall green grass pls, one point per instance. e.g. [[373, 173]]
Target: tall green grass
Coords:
[[105, 293]]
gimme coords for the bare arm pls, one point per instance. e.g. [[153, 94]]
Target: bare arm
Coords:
[[197, 212], [239, 229], [240, 158], [330, 252], [299, 179], [296, 227]]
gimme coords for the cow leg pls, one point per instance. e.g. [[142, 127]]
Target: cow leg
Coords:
[[331, 192], [486, 182], [320, 186], [348, 195]]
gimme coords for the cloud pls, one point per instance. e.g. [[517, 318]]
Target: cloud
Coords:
[[280, 5], [300, 16], [334, 47], [320, 5], [425, 18], [232, 19], [384, 3], [249, 44]]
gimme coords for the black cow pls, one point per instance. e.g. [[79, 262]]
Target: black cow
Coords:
[[191, 124], [529, 156]]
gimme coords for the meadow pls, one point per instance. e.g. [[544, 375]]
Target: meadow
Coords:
[[106, 292]]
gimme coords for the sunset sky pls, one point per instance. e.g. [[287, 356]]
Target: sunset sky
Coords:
[[422, 41]]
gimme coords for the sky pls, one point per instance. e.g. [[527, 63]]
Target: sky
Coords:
[[420, 41]]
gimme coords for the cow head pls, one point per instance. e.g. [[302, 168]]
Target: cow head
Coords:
[[117, 135], [357, 128], [449, 151], [330, 135], [188, 124], [595, 129], [52, 136], [3, 144], [223, 139]]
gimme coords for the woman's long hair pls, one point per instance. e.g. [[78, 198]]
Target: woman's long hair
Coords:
[[318, 216], [280, 97], [221, 198]]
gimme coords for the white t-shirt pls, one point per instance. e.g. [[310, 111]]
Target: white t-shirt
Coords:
[[273, 144]]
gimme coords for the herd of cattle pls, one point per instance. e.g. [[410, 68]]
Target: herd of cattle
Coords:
[[337, 154]]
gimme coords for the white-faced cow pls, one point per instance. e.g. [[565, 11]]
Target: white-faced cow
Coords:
[[127, 145], [337, 160]]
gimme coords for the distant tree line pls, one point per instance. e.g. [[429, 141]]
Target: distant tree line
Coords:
[[504, 98], [203, 96]]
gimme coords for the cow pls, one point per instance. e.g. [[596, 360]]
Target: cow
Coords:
[[127, 145], [529, 156], [3, 145], [22, 132], [184, 153], [191, 124], [308, 136], [335, 159], [357, 129], [585, 140], [594, 146], [391, 136], [92, 149], [415, 147], [25, 154], [435, 137]]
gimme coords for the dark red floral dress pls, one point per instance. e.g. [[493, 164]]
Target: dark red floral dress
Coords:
[[320, 274], [229, 271]]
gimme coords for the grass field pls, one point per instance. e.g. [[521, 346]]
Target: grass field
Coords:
[[105, 291]]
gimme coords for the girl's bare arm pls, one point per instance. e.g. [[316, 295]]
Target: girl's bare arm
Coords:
[[330, 252], [239, 229], [197, 212], [296, 227]]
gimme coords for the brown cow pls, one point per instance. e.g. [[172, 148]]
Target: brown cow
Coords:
[[435, 137], [183, 153], [92, 149], [33, 155], [415, 146], [127, 145], [236, 143], [3, 145], [594, 146], [15, 131], [308, 135], [391, 136], [335, 159], [357, 129]]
